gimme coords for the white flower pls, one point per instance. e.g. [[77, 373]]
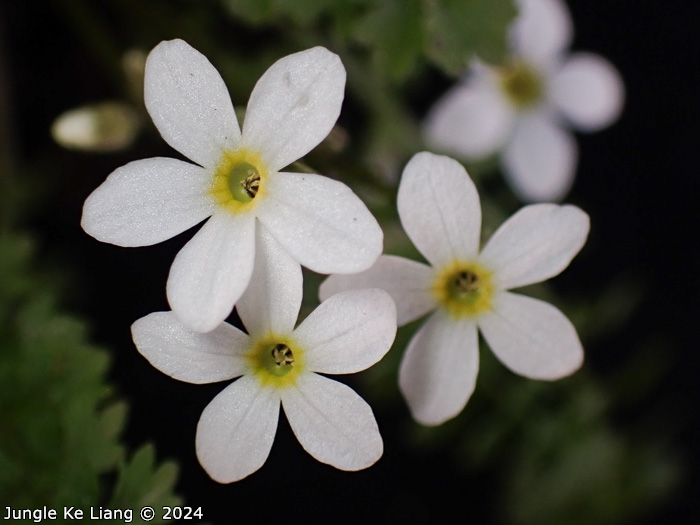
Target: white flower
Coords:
[[518, 109], [345, 334], [439, 209], [237, 179]]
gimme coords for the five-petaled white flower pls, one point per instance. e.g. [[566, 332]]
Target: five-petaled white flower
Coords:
[[345, 334], [439, 209], [519, 108], [236, 181]]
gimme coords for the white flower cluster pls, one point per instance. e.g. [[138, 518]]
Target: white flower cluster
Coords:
[[264, 224]]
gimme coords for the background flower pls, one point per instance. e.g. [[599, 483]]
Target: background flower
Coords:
[[279, 364], [521, 108], [439, 209], [294, 105]]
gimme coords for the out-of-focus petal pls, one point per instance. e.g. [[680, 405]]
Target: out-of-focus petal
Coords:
[[472, 120], [236, 430], [212, 271], [332, 423], [321, 223], [589, 91], [407, 282], [190, 356], [439, 208], [438, 371], [542, 30], [147, 201], [531, 337], [189, 103], [349, 332], [272, 300], [540, 161], [536, 243], [294, 106]]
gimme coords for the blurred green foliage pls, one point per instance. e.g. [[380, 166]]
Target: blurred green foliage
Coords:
[[61, 421]]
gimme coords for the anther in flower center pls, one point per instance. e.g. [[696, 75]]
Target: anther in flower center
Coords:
[[244, 182], [522, 84], [278, 359], [464, 287]]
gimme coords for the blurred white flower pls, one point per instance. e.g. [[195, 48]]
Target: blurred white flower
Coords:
[[439, 209], [278, 363], [237, 179], [102, 127], [520, 109]]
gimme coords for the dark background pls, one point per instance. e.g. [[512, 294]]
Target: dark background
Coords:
[[637, 180]]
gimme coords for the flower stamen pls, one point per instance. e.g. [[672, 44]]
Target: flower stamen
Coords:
[[464, 289]]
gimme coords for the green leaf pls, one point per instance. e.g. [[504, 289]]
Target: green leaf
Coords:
[[140, 483], [393, 30], [459, 30]]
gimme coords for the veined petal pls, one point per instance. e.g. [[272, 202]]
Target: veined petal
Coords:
[[236, 430], [212, 271], [439, 208], [536, 243], [332, 423], [540, 160], [147, 202], [472, 120], [542, 30], [272, 300], [321, 223], [349, 332], [589, 91], [189, 103], [531, 337], [438, 372], [407, 282], [294, 106], [190, 356]]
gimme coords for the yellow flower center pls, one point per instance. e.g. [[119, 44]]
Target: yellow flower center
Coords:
[[522, 84], [276, 361], [239, 180], [464, 289]]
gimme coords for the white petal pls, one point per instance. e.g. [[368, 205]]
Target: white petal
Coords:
[[212, 271], [189, 103], [438, 372], [536, 243], [472, 120], [236, 430], [540, 161], [272, 300], [294, 106], [439, 208], [190, 356], [542, 30], [589, 91], [531, 337], [321, 223], [147, 202], [332, 423], [407, 282], [349, 332]]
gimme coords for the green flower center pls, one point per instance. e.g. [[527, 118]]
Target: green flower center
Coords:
[[244, 182], [278, 359], [464, 289], [522, 84]]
